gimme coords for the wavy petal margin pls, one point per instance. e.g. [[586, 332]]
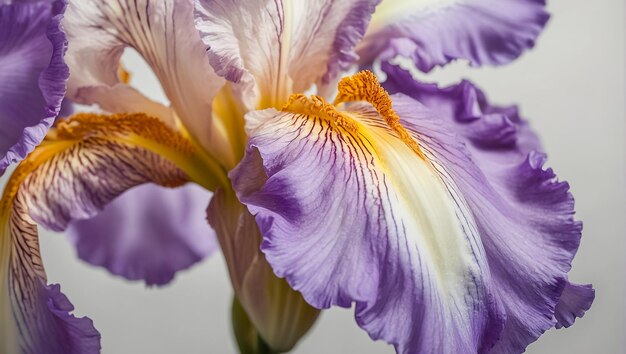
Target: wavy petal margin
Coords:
[[353, 211], [502, 144], [381, 204], [436, 32], [82, 165], [148, 233], [275, 48], [33, 74]]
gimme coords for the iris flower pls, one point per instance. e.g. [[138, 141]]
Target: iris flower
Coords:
[[428, 209]]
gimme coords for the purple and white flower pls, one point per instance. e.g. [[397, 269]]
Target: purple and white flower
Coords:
[[428, 209]]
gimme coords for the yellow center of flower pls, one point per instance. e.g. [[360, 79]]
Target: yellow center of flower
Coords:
[[316, 105], [359, 87]]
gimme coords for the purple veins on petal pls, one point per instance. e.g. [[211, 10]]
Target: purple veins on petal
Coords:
[[249, 44], [464, 247], [515, 200]]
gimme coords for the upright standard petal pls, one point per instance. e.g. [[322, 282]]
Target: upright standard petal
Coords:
[[435, 32], [32, 74], [83, 164], [148, 233], [163, 33], [510, 156], [276, 48], [354, 210]]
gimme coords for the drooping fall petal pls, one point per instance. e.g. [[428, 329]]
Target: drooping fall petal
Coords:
[[381, 204], [32, 74], [509, 154], [83, 164], [353, 212]]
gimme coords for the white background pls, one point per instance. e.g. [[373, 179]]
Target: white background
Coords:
[[571, 87]]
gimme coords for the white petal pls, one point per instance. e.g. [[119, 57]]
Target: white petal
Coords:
[[276, 48], [162, 32]]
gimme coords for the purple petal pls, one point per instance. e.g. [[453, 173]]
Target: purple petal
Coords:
[[499, 132], [84, 163], [149, 233], [525, 218], [81, 336], [485, 32], [35, 318], [355, 216], [348, 214], [67, 109], [520, 207], [275, 48], [32, 74], [574, 302]]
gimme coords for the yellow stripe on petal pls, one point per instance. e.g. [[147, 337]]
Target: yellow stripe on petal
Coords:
[[228, 110], [363, 111], [354, 209], [144, 132], [84, 163]]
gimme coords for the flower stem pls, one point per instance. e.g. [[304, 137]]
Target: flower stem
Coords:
[[248, 339]]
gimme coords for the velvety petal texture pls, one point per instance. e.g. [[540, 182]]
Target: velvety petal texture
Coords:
[[442, 251], [353, 211], [32, 74], [148, 233], [82, 164], [509, 155], [435, 32], [163, 33], [276, 48], [525, 218]]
